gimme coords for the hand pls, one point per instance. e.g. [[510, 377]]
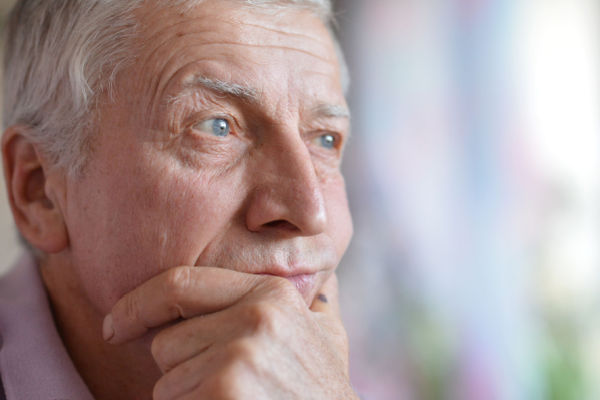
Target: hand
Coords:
[[243, 336]]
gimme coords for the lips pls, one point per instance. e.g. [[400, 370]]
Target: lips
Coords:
[[305, 283], [304, 264]]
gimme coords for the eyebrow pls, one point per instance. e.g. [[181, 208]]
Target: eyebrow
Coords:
[[222, 88], [331, 111], [251, 95]]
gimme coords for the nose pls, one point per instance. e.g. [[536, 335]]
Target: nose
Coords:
[[286, 194]]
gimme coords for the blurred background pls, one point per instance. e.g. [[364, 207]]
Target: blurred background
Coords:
[[474, 180]]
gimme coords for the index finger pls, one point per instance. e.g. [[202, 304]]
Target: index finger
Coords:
[[181, 292]]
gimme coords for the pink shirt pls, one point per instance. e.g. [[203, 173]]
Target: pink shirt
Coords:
[[34, 364]]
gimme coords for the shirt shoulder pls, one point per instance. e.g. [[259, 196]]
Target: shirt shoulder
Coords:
[[29, 341]]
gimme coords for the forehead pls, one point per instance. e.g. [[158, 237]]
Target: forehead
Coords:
[[271, 50]]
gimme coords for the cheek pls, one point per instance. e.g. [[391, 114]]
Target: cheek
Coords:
[[131, 230], [192, 212]]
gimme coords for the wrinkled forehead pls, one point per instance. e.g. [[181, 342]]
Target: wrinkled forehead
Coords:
[[236, 22], [265, 49]]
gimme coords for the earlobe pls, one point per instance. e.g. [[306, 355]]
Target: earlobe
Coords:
[[31, 192]]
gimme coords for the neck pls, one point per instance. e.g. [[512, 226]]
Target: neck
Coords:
[[111, 372]]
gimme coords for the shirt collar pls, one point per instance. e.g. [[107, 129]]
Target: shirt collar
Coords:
[[34, 363]]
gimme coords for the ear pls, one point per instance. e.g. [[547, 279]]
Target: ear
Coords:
[[32, 195]]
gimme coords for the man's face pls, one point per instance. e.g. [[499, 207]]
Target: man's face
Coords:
[[222, 148]]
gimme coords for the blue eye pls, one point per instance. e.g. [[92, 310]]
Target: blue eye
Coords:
[[328, 141], [217, 126]]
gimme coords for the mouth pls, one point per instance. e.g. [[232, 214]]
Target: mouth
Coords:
[[304, 262], [305, 283], [305, 267]]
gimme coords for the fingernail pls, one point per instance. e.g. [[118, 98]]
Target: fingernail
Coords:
[[108, 331], [322, 298]]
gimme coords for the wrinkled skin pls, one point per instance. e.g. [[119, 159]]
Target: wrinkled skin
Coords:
[[184, 238]]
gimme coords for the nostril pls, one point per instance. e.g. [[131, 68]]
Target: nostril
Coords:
[[281, 224]]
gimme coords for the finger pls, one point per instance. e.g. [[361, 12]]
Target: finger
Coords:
[[225, 364], [185, 377], [187, 339], [327, 299], [181, 292]]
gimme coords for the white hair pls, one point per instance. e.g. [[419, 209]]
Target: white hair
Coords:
[[60, 55]]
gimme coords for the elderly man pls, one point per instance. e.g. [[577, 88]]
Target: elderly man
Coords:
[[174, 167]]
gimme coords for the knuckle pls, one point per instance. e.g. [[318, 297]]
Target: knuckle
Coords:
[[242, 351], [223, 385], [263, 317], [176, 283]]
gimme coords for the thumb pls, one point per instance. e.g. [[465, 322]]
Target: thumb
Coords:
[[327, 299]]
